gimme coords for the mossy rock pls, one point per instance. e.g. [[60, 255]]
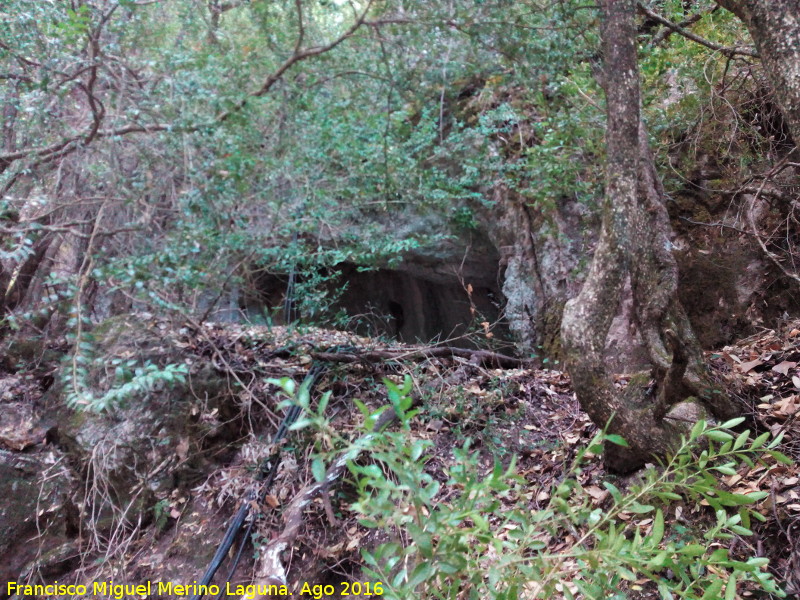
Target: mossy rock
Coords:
[[21, 351], [25, 495], [143, 448]]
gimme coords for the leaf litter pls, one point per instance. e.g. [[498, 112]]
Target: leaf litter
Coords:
[[525, 412]]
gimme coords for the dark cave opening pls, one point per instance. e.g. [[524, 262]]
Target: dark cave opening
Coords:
[[395, 303]]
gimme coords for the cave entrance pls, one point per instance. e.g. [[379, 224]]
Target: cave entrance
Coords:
[[400, 304]]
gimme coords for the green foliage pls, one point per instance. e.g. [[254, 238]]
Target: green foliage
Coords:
[[132, 378], [161, 510], [482, 540], [348, 151]]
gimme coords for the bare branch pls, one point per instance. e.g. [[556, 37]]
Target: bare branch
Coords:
[[479, 357], [727, 51], [667, 31], [752, 222], [301, 30], [61, 148], [69, 229], [16, 77]]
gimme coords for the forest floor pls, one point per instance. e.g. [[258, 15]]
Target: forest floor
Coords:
[[518, 413]]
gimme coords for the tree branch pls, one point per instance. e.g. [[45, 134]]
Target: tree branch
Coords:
[[727, 51], [478, 357], [65, 146], [667, 31]]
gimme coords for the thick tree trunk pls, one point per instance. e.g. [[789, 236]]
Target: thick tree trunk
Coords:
[[634, 242], [587, 318], [775, 28]]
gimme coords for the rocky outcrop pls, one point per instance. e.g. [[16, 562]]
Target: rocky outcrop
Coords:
[[35, 497], [140, 448], [540, 252]]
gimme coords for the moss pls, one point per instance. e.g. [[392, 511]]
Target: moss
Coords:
[[23, 350], [637, 394], [550, 332]]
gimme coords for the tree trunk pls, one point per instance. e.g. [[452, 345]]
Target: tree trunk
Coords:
[[775, 28], [634, 242]]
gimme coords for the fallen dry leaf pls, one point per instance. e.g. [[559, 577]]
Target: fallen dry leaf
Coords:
[[749, 365], [784, 366]]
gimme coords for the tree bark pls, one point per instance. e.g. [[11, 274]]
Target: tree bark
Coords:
[[634, 242], [775, 28], [587, 317]]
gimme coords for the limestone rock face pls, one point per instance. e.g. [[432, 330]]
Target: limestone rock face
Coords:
[[34, 490], [539, 256], [147, 445], [518, 262]]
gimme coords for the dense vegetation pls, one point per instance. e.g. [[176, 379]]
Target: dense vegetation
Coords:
[[172, 160], [155, 151]]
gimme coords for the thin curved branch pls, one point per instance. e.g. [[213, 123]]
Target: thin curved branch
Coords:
[[667, 31], [65, 146], [752, 222], [727, 51]]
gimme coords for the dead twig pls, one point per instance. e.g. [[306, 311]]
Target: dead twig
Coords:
[[726, 51]]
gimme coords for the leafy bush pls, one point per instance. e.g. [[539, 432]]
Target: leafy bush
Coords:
[[475, 535], [132, 378]]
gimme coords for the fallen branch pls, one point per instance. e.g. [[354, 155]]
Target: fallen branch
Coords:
[[483, 358]]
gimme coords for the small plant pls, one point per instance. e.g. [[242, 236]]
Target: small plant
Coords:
[[482, 540], [161, 513], [132, 378], [474, 535]]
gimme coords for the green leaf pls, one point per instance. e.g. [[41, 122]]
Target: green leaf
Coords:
[[713, 590], [756, 496], [421, 573], [664, 590], [732, 423], [742, 439], [318, 469], [730, 587], [780, 457], [760, 440], [417, 449], [718, 436], [399, 578], [758, 562], [726, 470], [286, 384], [719, 555], [659, 561], [669, 496], [300, 424], [738, 529], [424, 542], [698, 429], [323, 403], [614, 491], [692, 550], [776, 440], [615, 439], [657, 532]]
